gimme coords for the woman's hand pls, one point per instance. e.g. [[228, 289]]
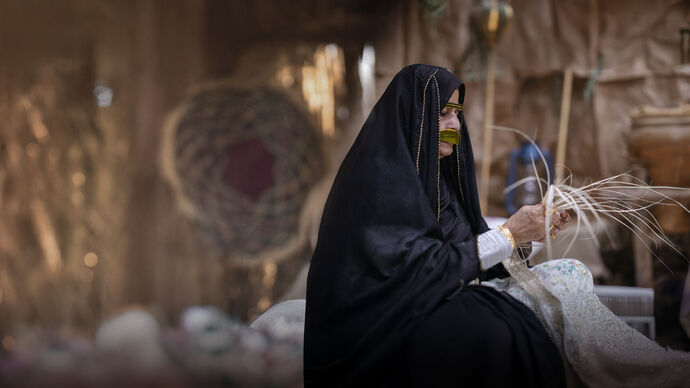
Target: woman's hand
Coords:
[[527, 224]]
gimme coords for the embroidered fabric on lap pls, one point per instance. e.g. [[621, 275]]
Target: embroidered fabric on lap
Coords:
[[600, 350]]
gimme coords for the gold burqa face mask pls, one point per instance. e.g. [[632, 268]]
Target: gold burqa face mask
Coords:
[[450, 136]]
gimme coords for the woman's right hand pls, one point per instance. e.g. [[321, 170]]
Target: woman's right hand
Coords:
[[527, 224]]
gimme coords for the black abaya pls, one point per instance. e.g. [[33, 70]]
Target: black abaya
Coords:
[[390, 265], [479, 337]]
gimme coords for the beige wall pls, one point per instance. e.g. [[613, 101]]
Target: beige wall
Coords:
[[624, 54]]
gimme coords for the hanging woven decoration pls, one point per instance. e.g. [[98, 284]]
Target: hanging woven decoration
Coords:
[[242, 164]]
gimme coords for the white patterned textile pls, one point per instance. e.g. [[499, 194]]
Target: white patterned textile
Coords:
[[598, 348], [493, 247]]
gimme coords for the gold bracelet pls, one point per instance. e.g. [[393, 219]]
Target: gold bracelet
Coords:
[[508, 235]]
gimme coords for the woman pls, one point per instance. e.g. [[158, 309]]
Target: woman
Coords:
[[402, 236]]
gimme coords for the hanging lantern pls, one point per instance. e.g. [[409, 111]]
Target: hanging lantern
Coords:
[[490, 18]]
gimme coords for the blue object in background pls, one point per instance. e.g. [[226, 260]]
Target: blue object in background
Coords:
[[520, 167]]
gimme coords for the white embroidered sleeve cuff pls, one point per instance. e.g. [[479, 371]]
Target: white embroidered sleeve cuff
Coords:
[[494, 247]]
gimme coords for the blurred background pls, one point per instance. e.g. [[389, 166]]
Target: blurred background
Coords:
[[162, 154]]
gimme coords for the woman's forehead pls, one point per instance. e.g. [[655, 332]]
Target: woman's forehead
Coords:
[[454, 97]]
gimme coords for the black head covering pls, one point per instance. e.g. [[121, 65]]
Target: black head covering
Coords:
[[382, 264]]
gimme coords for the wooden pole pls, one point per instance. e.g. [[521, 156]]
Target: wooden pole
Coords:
[[563, 125], [488, 132], [491, 33]]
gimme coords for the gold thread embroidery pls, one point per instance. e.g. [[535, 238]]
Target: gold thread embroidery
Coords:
[[421, 124], [438, 148], [457, 158]]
